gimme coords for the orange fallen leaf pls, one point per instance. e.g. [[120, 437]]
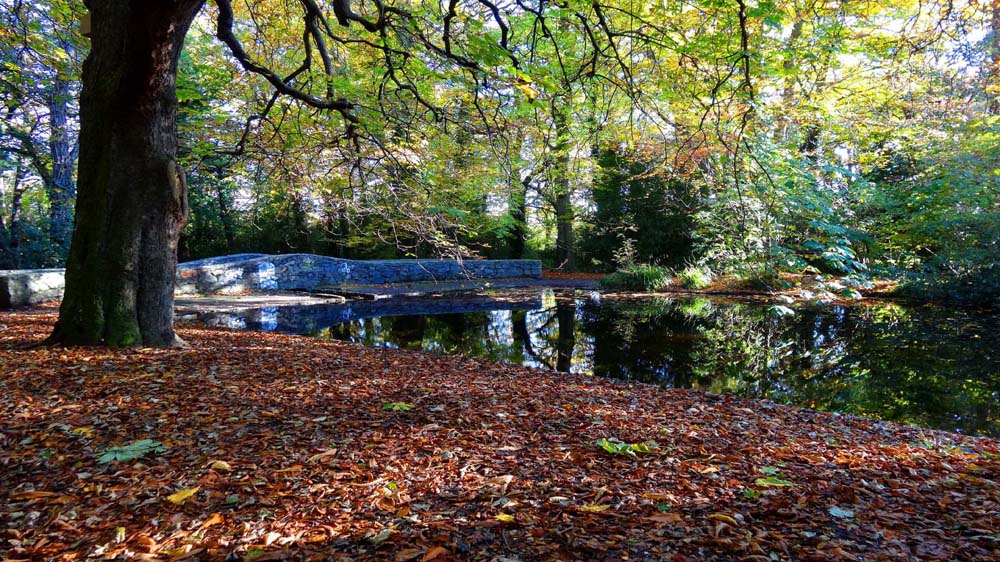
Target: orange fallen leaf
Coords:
[[213, 519], [434, 553], [144, 542]]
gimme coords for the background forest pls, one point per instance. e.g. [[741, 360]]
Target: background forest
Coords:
[[854, 139]]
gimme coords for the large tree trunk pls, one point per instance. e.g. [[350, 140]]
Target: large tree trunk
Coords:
[[132, 199]]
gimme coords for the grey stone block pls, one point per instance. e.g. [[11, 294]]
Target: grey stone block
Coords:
[[21, 287]]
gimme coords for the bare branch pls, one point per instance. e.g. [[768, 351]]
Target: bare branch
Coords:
[[225, 33]]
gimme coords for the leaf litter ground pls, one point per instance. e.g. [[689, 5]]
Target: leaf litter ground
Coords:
[[278, 447]]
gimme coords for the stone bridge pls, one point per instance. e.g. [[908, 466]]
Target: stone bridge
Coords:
[[262, 272]]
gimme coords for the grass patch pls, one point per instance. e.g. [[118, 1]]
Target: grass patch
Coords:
[[695, 277], [638, 278]]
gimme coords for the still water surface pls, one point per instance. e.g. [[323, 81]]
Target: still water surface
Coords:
[[929, 366]]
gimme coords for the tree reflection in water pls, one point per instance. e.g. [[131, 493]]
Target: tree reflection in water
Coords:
[[929, 366]]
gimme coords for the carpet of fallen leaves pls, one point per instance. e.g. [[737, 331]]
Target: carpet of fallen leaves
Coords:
[[284, 447]]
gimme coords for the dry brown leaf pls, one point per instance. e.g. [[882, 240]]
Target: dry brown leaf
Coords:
[[409, 554], [32, 495], [669, 517], [320, 456], [433, 553]]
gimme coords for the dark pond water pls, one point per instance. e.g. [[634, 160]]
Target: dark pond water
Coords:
[[927, 366]]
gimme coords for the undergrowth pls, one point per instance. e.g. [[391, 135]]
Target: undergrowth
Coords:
[[695, 277], [638, 277]]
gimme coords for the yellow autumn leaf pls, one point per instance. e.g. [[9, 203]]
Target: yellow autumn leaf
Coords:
[[175, 552], [527, 90], [221, 466], [506, 518], [83, 431], [724, 518], [179, 496], [595, 508]]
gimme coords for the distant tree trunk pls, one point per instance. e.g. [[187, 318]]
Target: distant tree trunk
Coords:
[[810, 143], [343, 232], [518, 233], [993, 85], [61, 186], [14, 231], [566, 317], [563, 198], [225, 217], [784, 120], [6, 261], [132, 199]]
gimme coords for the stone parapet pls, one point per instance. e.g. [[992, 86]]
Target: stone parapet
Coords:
[[255, 272], [21, 287], [261, 272]]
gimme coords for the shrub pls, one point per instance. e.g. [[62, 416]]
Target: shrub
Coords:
[[695, 277], [766, 279], [638, 278]]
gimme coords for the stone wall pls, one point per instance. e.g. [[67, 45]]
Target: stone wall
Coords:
[[252, 272], [22, 287], [255, 272]]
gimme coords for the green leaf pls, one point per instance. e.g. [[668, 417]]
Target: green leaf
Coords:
[[132, 451], [773, 482], [397, 407], [616, 447]]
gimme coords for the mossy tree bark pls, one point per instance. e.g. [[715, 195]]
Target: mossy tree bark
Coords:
[[131, 194]]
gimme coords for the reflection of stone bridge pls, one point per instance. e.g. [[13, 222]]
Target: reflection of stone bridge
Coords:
[[304, 319], [251, 272]]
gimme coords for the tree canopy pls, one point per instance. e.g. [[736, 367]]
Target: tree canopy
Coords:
[[831, 137]]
